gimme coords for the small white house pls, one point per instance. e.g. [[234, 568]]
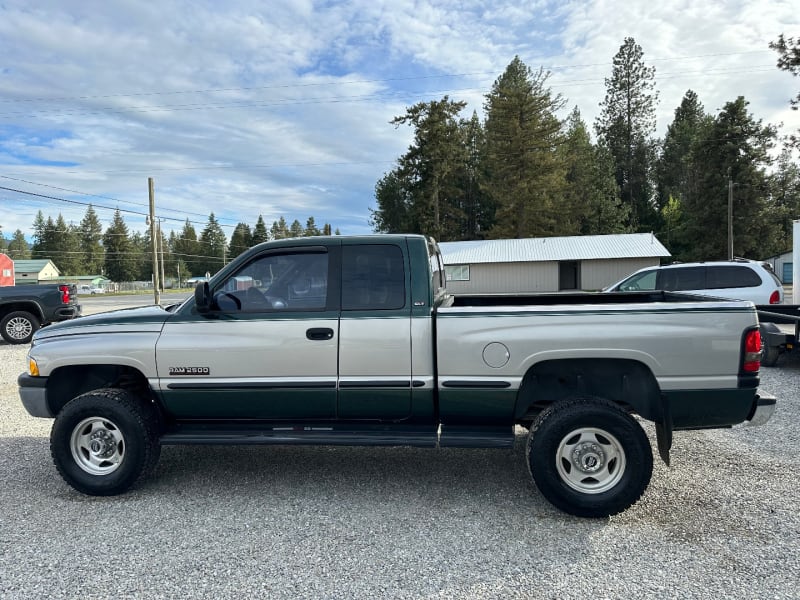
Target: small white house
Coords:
[[589, 262], [35, 271]]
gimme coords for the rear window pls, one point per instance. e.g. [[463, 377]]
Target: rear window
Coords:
[[732, 276], [373, 277]]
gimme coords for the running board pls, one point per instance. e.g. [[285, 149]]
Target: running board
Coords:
[[324, 435], [467, 436], [341, 435]]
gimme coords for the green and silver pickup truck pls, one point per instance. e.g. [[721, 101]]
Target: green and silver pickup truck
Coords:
[[355, 341]]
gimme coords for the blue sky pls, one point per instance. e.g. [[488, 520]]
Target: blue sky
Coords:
[[283, 108]]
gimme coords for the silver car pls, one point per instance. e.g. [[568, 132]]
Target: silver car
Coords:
[[736, 280]]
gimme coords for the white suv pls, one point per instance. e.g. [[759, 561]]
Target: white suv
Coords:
[[738, 279]]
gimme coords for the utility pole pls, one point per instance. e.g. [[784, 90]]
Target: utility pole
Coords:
[[156, 290], [730, 215], [161, 253]]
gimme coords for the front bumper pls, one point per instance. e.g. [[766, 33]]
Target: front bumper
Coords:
[[763, 408], [33, 393]]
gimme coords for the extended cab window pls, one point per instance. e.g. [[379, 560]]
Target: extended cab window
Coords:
[[292, 281], [373, 277]]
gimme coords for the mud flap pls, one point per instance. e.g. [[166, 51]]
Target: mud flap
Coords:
[[664, 431]]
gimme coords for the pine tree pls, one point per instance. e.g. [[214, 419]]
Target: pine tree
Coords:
[[296, 229], [676, 167], [185, 247], [524, 168], [590, 204], [38, 230], [394, 201], [18, 248], [260, 233], [141, 255], [66, 248], [474, 203], [625, 126], [784, 198], [279, 229], [428, 169], [736, 152], [119, 260], [91, 235], [788, 50], [688, 127], [311, 229], [241, 239], [213, 246]]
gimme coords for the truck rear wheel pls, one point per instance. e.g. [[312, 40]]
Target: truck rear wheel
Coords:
[[18, 327], [103, 441], [589, 457]]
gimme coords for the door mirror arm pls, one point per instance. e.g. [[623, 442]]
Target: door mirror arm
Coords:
[[202, 297]]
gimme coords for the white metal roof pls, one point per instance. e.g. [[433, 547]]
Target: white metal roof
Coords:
[[583, 247]]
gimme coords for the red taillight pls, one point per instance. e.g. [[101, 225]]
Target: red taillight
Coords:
[[752, 351], [64, 289], [775, 297]]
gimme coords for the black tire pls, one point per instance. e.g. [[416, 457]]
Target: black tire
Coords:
[[103, 441], [18, 327], [770, 353], [589, 457]]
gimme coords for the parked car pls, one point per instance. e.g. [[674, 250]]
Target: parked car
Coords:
[[91, 289], [738, 279]]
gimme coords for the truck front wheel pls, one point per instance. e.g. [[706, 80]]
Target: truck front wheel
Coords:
[[103, 441], [589, 457], [18, 327]]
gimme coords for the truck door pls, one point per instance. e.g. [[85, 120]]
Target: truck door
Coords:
[[266, 350], [374, 333]]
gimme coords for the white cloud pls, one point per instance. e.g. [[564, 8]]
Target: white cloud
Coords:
[[246, 108]]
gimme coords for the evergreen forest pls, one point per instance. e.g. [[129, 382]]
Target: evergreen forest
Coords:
[[522, 171]]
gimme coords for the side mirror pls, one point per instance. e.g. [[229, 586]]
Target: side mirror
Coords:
[[202, 297]]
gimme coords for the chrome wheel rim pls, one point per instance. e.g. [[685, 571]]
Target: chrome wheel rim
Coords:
[[97, 446], [19, 328], [590, 460]]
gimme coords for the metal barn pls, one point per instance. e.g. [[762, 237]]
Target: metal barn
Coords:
[[552, 264]]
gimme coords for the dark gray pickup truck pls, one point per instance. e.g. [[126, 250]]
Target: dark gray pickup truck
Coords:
[[25, 309]]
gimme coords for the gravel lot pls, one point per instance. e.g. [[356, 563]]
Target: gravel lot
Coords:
[[319, 522]]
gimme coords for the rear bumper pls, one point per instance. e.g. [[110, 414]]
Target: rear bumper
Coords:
[[67, 312], [763, 408], [711, 409]]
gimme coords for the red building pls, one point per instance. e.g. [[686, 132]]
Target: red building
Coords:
[[6, 270]]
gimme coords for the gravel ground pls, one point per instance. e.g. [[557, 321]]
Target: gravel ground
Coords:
[[320, 522]]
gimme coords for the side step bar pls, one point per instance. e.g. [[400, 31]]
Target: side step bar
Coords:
[[341, 435]]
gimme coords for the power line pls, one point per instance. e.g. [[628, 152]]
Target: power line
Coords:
[[398, 94], [104, 197], [359, 81]]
